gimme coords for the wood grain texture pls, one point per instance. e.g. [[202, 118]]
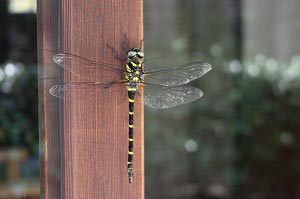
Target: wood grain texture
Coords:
[[50, 154], [93, 140]]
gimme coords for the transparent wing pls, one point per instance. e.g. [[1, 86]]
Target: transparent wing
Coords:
[[86, 88], [177, 75], [58, 90], [161, 97], [79, 66]]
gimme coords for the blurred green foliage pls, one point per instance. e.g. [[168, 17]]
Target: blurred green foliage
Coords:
[[245, 127], [19, 110], [268, 92]]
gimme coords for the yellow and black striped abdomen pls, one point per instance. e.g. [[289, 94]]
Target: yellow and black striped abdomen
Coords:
[[133, 77], [131, 95]]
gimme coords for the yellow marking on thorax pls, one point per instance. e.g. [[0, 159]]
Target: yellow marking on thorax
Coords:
[[130, 152], [133, 64], [126, 77], [130, 126], [130, 139], [128, 68], [130, 100], [130, 113], [130, 89], [136, 65]]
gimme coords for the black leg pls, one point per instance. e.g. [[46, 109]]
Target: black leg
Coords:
[[113, 82], [115, 54], [124, 44], [141, 44], [138, 93]]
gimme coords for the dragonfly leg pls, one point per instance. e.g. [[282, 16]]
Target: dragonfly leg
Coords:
[[113, 82], [124, 44], [139, 94], [115, 54], [141, 44]]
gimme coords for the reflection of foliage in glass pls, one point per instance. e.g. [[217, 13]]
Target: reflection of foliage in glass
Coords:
[[18, 112]]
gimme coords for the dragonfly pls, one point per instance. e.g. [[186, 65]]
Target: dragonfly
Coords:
[[164, 87]]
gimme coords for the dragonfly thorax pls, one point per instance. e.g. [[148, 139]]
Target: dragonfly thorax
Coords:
[[134, 69], [135, 76]]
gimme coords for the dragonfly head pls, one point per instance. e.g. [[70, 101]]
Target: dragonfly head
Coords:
[[135, 53]]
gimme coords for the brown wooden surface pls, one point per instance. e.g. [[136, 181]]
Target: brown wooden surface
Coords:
[[50, 154], [86, 136]]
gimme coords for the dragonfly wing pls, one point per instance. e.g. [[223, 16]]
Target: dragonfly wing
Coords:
[[57, 91], [177, 75], [84, 67], [161, 97], [61, 90], [86, 88]]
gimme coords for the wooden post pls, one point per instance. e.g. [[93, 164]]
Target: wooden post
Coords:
[[50, 153], [84, 139]]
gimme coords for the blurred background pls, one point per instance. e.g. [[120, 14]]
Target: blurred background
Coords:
[[240, 141], [19, 163]]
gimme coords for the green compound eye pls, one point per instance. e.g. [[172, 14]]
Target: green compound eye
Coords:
[[140, 54], [131, 53]]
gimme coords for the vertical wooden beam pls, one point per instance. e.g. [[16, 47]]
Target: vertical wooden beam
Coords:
[[50, 153], [93, 138]]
